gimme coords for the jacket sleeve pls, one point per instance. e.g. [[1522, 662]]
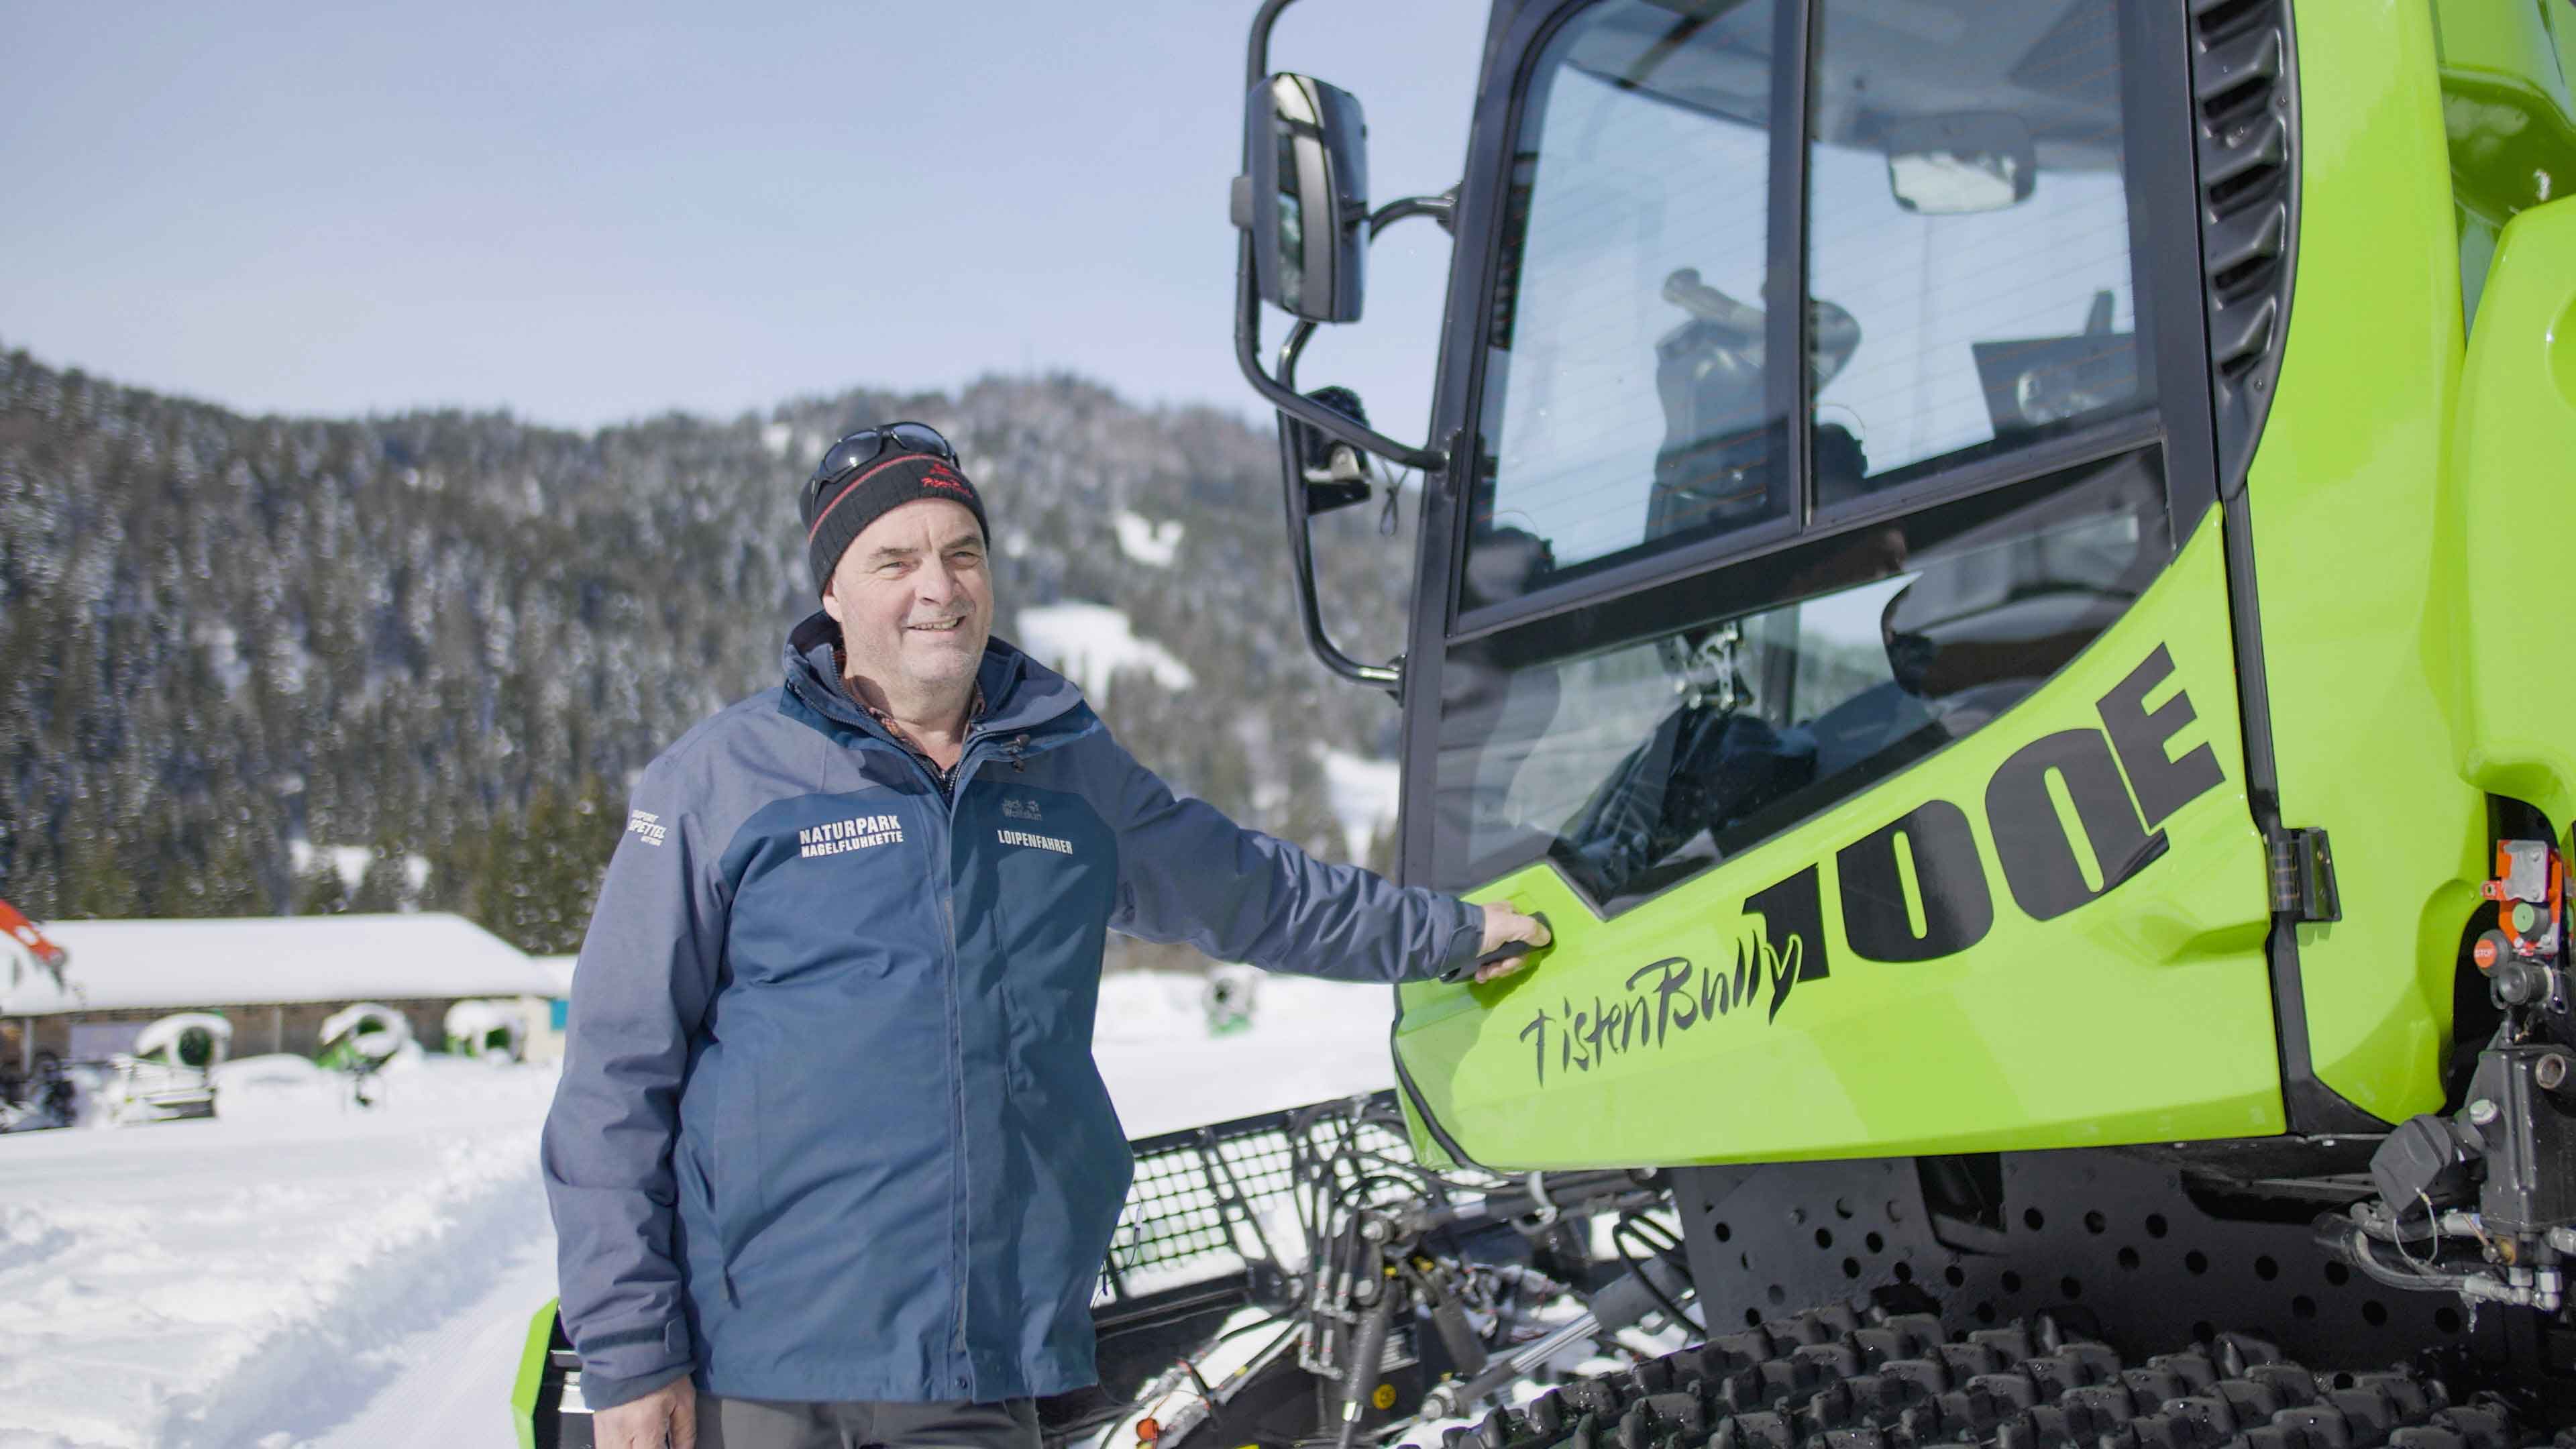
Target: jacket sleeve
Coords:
[[1187, 873], [647, 970]]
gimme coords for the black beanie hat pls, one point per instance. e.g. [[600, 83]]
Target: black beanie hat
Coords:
[[836, 515]]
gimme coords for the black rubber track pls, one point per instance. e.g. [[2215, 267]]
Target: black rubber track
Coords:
[[1834, 1378]]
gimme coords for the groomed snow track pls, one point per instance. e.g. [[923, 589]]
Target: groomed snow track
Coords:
[[399, 1274]]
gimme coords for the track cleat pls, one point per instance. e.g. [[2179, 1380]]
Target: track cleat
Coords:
[[1754, 1431], [1592, 1397], [1922, 1377], [2318, 1426], [1654, 1376], [2013, 1341], [2070, 1368], [1834, 1320], [2413, 1398], [1967, 1360], [1789, 1333], [2370, 1415], [2211, 1416], [1681, 1413], [2426, 1436], [2154, 1383], [1832, 1360], [1733, 1351], [2237, 1352], [2294, 1384], [2165, 1430], [2193, 1368], [2484, 1427], [1782, 1377]]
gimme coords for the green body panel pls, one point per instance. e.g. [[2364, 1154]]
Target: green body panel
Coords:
[[532, 1374], [2145, 1015], [2509, 114], [2514, 477], [2363, 549]]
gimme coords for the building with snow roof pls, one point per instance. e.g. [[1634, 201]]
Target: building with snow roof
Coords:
[[547, 1022], [275, 978]]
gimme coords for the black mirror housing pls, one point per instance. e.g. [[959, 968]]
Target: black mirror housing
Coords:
[[1305, 199]]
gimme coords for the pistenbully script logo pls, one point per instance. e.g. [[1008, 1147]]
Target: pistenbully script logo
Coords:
[[646, 824], [1936, 900]]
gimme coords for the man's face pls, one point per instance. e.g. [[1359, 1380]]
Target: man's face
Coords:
[[914, 599]]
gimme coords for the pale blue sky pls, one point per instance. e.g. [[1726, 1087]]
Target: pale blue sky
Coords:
[[586, 212]]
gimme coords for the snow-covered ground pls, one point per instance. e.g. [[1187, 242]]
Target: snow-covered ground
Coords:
[[301, 1271]]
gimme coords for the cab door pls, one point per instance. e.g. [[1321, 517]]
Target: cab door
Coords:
[[1831, 631]]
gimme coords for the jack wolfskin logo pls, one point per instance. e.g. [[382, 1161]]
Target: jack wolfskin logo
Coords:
[[859, 832], [1034, 842], [646, 824], [1020, 807]]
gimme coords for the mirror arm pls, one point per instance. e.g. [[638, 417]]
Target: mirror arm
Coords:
[[1257, 65], [1442, 208], [1247, 355], [1301, 540]]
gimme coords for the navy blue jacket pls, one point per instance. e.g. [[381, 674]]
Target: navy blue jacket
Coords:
[[829, 1127]]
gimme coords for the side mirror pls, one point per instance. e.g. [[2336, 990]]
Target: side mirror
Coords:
[[1305, 200], [1946, 165]]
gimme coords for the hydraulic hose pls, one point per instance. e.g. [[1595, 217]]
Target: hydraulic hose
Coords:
[[2356, 1246], [1368, 1356], [1559, 1190], [1613, 1308]]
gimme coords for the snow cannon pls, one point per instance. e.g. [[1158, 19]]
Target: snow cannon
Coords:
[[492, 1030], [169, 1075], [358, 1041], [366, 1033]]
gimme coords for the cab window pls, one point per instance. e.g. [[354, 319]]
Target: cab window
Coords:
[[1962, 206], [1969, 223], [1626, 396], [1639, 764]]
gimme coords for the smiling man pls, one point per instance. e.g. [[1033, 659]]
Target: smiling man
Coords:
[[830, 1163]]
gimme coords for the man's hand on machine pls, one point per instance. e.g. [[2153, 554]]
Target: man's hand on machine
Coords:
[[1510, 937]]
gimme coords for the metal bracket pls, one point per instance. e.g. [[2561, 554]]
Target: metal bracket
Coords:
[[2303, 875]]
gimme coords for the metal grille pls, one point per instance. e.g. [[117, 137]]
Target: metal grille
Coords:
[[2245, 103], [1209, 1202]]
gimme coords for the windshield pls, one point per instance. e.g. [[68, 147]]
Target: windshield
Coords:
[[1631, 403]]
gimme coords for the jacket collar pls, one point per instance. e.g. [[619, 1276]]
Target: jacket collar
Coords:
[[1021, 696]]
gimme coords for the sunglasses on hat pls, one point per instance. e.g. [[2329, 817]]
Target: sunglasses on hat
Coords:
[[856, 451]]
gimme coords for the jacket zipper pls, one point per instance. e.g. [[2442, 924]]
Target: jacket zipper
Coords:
[[968, 761], [951, 791]]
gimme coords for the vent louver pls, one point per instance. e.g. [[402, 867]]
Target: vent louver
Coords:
[[2245, 130]]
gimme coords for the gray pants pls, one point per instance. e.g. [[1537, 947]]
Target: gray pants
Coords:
[[769, 1424]]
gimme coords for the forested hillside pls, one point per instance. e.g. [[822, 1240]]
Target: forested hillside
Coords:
[[229, 643]]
